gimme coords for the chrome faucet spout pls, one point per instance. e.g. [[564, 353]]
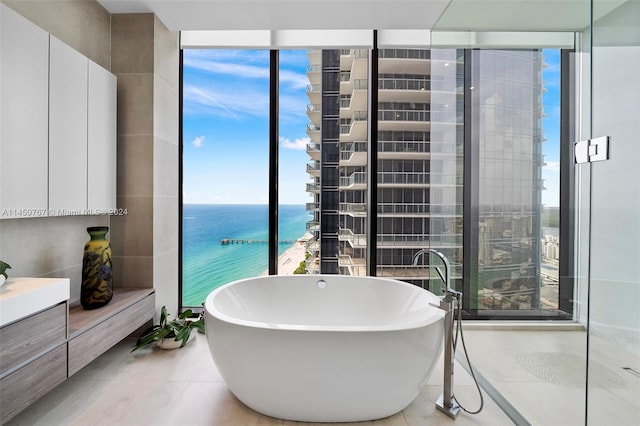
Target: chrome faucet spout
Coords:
[[447, 267]]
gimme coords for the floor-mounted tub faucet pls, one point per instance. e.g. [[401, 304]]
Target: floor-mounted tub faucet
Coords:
[[446, 403]]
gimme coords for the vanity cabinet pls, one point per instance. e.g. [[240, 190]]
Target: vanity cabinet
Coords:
[[33, 359], [57, 126], [41, 350], [24, 109]]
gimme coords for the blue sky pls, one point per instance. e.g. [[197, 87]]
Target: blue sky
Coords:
[[551, 128], [226, 127]]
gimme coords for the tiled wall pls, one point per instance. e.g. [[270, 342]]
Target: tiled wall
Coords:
[[165, 166], [145, 241]]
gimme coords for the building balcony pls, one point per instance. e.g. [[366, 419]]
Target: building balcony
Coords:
[[403, 209], [358, 100], [345, 59], [313, 131], [313, 265], [416, 241], [356, 129], [354, 209], [411, 84], [314, 188], [310, 207], [352, 266], [314, 73], [405, 90], [313, 226], [403, 115], [403, 179], [314, 112], [354, 240], [354, 84], [314, 56], [314, 93], [405, 61], [313, 168], [402, 149], [353, 154], [313, 151], [413, 241], [421, 54], [357, 180], [312, 246]]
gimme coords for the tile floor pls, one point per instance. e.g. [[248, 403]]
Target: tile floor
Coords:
[[183, 387], [550, 366]]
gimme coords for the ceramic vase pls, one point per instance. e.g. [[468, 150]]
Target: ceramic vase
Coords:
[[97, 282]]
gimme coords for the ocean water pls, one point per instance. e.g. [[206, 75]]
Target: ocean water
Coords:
[[207, 264]]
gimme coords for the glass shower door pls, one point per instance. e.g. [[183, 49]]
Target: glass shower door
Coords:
[[613, 351]]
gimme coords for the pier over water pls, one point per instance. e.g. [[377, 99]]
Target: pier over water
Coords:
[[227, 241]]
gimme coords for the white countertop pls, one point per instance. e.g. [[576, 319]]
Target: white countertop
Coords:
[[21, 297]]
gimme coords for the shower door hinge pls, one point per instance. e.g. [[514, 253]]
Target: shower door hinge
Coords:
[[591, 150]]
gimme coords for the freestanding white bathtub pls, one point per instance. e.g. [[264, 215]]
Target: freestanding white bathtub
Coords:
[[324, 348]]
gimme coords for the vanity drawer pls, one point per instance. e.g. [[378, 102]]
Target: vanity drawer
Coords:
[[31, 336], [28, 384], [93, 342]]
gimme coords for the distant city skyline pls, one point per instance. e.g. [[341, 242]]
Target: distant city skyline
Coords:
[[226, 108]]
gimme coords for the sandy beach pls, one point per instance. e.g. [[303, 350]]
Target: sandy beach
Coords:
[[290, 259]]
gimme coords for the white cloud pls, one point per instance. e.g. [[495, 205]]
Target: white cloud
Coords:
[[244, 70], [197, 142], [300, 143], [552, 166], [231, 102], [296, 80], [237, 70]]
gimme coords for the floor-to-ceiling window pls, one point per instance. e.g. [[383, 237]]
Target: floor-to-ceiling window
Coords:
[[467, 144], [296, 206], [512, 146], [225, 173]]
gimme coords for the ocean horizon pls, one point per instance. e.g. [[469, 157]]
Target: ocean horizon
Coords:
[[208, 264]]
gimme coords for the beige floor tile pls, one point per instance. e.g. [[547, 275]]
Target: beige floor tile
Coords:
[[183, 387]]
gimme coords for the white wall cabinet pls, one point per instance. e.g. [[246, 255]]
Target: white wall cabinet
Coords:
[[57, 126], [101, 139], [68, 76], [24, 75]]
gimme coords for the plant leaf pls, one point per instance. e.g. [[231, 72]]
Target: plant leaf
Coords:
[[163, 316]]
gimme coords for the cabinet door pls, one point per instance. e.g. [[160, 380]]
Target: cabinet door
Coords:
[[102, 140], [67, 130], [24, 81]]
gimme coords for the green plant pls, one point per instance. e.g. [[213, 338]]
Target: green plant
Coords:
[[302, 267], [179, 329], [3, 268]]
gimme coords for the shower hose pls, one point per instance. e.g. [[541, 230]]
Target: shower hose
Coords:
[[458, 327]]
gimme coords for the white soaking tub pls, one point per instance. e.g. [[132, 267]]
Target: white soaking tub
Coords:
[[324, 348]]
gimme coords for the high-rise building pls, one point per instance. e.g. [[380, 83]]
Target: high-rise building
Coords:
[[504, 112], [433, 106]]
